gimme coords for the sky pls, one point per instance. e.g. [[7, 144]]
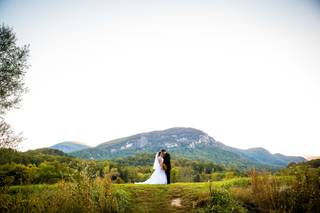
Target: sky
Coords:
[[245, 72]]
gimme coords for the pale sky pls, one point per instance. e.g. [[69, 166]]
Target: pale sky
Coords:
[[245, 72]]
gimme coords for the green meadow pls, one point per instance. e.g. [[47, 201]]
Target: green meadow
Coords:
[[176, 197], [257, 193]]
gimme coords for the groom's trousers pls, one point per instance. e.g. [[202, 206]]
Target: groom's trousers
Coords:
[[168, 176]]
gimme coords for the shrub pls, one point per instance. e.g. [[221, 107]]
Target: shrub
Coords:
[[218, 200]]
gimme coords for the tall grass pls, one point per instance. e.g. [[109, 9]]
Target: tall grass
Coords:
[[83, 194], [269, 193], [299, 191]]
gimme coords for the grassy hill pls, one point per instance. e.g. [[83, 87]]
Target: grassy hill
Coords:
[[258, 193], [140, 198], [178, 197]]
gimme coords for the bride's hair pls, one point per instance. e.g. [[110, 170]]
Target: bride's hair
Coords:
[[159, 154]]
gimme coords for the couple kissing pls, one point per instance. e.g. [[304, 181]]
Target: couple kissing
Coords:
[[161, 167]]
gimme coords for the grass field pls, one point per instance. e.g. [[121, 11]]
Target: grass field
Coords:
[[177, 197], [266, 193]]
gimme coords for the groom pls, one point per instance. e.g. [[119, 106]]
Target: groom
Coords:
[[166, 161]]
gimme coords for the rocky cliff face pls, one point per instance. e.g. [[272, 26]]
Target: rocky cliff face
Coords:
[[190, 143]]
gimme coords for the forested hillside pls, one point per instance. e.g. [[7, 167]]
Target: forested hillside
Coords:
[[188, 143]]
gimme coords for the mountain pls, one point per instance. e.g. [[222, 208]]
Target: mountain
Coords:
[[312, 157], [290, 158], [190, 143], [70, 146]]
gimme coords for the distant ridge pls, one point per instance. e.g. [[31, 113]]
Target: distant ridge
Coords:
[[187, 142], [312, 157], [70, 146]]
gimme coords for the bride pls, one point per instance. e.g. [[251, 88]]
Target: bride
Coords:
[[158, 176]]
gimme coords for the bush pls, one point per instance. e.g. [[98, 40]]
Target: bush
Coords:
[[219, 201]]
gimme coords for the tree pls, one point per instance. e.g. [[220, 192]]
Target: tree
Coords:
[[13, 65], [7, 136]]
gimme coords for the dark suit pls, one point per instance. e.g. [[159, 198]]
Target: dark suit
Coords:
[[166, 161]]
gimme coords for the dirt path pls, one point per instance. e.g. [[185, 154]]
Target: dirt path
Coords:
[[163, 198]]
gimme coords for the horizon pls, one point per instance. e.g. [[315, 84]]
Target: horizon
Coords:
[[247, 74]]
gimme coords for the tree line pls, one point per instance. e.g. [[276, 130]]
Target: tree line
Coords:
[[49, 166]]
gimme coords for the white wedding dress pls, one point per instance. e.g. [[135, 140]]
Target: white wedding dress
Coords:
[[158, 176]]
